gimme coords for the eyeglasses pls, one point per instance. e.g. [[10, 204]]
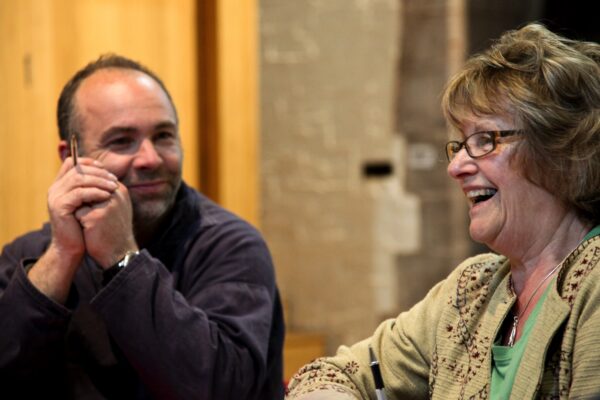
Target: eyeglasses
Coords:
[[478, 144]]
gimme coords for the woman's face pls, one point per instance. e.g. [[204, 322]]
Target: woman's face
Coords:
[[507, 211]]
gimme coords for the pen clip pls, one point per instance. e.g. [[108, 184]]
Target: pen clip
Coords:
[[372, 357]]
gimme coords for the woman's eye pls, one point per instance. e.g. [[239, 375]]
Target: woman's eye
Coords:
[[484, 140]]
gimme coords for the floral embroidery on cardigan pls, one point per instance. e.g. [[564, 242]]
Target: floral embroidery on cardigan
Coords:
[[433, 371], [556, 377], [482, 394], [351, 367], [558, 369], [574, 278], [320, 376], [470, 297]]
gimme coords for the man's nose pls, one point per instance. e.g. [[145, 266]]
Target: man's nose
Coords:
[[147, 156]]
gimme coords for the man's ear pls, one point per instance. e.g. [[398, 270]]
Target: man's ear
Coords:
[[63, 150]]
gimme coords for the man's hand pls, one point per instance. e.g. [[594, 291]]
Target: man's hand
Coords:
[[74, 187], [108, 228], [87, 183]]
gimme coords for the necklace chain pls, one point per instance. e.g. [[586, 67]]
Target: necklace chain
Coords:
[[513, 331]]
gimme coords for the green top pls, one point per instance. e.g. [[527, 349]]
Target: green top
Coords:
[[506, 360], [592, 233]]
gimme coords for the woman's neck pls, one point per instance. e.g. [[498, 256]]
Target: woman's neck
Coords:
[[531, 262]]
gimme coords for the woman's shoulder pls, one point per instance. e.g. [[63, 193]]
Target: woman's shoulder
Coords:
[[477, 273], [482, 266], [581, 271]]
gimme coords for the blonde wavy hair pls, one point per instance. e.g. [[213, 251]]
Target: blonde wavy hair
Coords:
[[550, 85]]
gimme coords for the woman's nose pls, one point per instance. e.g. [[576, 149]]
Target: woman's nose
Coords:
[[461, 164]]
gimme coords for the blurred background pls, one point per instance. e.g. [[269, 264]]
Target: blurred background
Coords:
[[316, 120]]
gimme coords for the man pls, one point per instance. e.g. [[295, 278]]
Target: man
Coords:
[[138, 287]]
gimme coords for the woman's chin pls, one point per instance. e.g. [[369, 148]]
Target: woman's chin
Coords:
[[479, 234]]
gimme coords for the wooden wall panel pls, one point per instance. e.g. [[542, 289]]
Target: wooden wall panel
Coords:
[[229, 104], [43, 44], [28, 156]]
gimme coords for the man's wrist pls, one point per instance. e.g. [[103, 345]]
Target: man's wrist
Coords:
[[52, 275], [110, 272], [130, 255]]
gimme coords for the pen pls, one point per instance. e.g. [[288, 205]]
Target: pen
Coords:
[[74, 148], [376, 375]]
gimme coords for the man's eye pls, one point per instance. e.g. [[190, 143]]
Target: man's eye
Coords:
[[166, 135], [120, 142]]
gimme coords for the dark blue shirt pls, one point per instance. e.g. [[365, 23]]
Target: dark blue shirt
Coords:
[[196, 315]]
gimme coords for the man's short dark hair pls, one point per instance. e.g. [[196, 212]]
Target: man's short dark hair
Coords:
[[65, 112]]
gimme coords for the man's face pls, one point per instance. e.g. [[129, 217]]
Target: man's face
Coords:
[[126, 121]]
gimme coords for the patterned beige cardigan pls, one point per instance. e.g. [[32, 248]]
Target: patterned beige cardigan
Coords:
[[440, 349]]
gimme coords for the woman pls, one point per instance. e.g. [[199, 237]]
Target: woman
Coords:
[[524, 323]]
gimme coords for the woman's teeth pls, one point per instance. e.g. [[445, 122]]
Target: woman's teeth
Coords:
[[479, 195]]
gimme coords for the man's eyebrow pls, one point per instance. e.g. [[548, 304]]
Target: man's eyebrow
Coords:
[[117, 130], [165, 125]]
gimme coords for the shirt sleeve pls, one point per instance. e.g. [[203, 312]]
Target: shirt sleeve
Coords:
[[32, 325], [404, 347], [210, 337]]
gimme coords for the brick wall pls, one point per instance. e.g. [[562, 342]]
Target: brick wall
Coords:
[[356, 206]]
